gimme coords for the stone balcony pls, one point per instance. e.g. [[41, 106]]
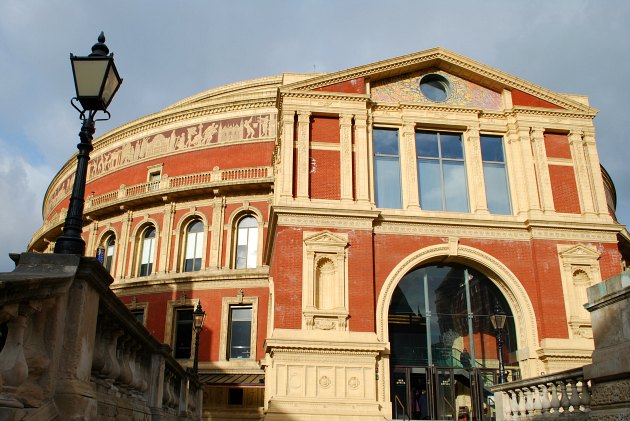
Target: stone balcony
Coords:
[[74, 352]]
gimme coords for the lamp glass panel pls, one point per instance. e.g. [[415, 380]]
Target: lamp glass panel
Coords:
[[89, 75], [111, 85]]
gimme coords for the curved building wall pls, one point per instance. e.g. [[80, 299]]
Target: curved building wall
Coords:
[[290, 207]]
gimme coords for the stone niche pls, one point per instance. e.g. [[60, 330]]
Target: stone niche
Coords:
[[325, 281]]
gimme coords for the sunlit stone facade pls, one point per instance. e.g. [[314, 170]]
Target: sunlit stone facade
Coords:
[[349, 234]]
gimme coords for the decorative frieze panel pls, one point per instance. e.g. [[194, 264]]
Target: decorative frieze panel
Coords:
[[197, 136], [406, 88]]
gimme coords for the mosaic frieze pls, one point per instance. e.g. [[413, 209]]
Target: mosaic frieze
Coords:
[[406, 88], [197, 136]]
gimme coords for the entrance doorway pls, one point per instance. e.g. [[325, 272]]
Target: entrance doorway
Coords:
[[444, 355], [423, 393]]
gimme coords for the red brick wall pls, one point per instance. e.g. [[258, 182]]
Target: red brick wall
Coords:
[[211, 301], [354, 86], [286, 270], [324, 180], [564, 189], [361, 289], [325, 129], [557, 145], [527, 100]]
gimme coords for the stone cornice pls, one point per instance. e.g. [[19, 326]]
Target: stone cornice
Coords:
[[452, 62]]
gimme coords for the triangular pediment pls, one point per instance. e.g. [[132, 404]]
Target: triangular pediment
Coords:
[[470, 78], [580, 251], [327, 238]]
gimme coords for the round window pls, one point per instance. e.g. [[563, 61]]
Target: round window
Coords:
[[435, 87]]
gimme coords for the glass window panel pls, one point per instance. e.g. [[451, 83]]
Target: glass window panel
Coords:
[[497, 193], [109, 253], [252, 247], [385, 141], [183, 332], [387, 178], [455, 191], [451, 146], [430, 185], [492, 148], [240, 332], [427, 145]]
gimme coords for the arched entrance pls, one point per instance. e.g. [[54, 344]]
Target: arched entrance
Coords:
[[497, 281], [444, 355]]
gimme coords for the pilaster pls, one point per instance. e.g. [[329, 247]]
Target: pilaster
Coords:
[[408, 166], [361, 159], [529, 173], [581, 172], [166, 237], [216, 230], [303, 152], [123, 248], [286, 152], [542, 169], [472, 152], [90, 247], [595, 174], [516, 171], [345, 157]]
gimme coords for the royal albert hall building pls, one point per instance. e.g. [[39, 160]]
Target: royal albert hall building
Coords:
[[350, 235]]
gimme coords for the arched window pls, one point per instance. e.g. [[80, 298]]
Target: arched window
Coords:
[[109, 246], [147, 251], [194, 246], [247, 243]]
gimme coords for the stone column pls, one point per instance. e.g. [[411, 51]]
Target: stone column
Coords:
[[303, 154], [90, 248], [345, 157], [361, 159], [542, 169], [581, 172], [609, 305], [408, 166], [285, 169], [474, 170]]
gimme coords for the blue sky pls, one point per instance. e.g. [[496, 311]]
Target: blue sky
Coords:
[[166, 51]]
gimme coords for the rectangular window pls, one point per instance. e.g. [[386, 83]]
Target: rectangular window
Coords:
[[441, 171], [138, 313], [494, 174], [183, 332], [387, 186], [154, 180], [240, 340]]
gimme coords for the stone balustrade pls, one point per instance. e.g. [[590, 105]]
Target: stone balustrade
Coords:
[[74, 351], [561, 393]]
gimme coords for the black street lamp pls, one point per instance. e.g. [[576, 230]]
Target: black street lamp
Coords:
[[498, 321], [96, 81], [199, 316]]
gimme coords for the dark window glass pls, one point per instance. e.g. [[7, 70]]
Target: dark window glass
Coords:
[[435, 87], [4, 331], [183, 332], [387, 169], [235, 396], [240, 332], [138, 314]]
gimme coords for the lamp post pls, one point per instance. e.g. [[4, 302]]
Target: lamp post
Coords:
[[199, 316], [96, 81], [498, 321]]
